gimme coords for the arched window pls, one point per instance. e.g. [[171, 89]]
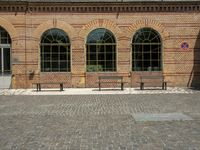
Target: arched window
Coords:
[[101, 51], [55, 51], [5, 52], [4, 36], [146, 50]]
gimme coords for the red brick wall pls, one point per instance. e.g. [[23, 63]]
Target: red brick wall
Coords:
[[180, 67]]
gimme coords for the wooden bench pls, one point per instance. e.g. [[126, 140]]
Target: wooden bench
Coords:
[[152, 80], [38, 85], [111, 79]]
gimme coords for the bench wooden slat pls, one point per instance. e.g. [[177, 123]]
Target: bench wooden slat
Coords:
[[38, 85], [48, 83], [105, 79], [112, 82], [152, 79], [111, 77]]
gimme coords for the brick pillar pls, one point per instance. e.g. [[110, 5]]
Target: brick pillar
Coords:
[[124, 54], [18, 56], [78, 62], [124, 58]]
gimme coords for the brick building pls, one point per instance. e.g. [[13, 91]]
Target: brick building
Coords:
[[76, 41]]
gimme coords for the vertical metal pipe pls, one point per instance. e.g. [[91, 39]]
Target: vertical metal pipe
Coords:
[[2, 61]]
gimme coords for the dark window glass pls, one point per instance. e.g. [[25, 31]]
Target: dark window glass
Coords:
[[55, 66], [55, 51], [63, 66], [46, 49], [4, 40], [110, 56], [5, 64], [47, 56], [63, 57], [93, 56], [47, 66], [146, 50], [101, 51], [4, 36]]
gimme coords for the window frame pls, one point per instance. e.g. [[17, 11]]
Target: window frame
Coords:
[[159, 59], [7, 37], [4, 48], [58, 61], [96, 67]]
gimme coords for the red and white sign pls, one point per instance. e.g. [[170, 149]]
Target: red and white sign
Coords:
[[184, 46]]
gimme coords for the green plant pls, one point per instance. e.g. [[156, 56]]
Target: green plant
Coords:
[[94, 68]]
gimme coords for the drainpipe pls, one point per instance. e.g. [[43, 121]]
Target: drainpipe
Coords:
[[25, 32]]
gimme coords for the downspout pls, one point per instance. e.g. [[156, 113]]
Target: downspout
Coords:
[[26, 78]]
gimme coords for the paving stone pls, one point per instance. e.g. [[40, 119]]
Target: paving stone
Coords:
[[161, 117], [98, 122]]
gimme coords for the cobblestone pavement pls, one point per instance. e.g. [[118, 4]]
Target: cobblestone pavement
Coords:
[[98, 122]]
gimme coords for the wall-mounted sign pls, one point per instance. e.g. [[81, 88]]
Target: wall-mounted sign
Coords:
[[184, 46]]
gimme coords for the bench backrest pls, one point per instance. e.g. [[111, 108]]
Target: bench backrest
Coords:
[[149, 78], [110, 78]]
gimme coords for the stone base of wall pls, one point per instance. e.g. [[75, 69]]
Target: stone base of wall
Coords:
[[22, 81], [90, 80]]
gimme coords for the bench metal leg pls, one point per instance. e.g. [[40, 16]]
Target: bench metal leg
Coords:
[[122, 86], [99, 86], [61, 86], [38, 85], [165, 85], [142, 86]]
